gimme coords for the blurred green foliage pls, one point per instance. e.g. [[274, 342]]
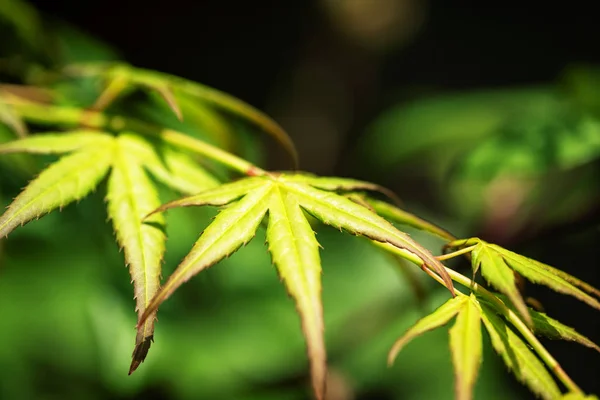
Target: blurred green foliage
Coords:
[[528, 156]]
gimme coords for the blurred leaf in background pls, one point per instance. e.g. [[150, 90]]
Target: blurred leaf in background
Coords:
[[502, 161]]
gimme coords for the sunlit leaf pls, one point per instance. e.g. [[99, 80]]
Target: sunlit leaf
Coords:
[[500, 275], [545, 326], [232, 228], [439, 317], [518, 357], [170, 167], [466, 346], [339, 184], [402, 217], [218, 196], [55, 143], [295, 252], [291, 242], [343, 213], [131, 196], [538, 272], [69, 179]]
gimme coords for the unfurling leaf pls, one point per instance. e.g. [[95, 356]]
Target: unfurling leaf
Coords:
[[518, 357], [439, 317], [498, 273], [466, 346], [295, 252], [131, 196], [68, 179], [291, 242]]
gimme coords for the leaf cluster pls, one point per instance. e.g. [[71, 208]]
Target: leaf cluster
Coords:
[[102, 140]]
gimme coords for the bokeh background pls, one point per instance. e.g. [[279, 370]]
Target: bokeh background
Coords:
[[484, 118]]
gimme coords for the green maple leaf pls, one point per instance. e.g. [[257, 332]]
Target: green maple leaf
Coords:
[[131, 195], [498, 273], [292, 243], [467, 348], [498, 266], [466, 344], [544, 325], [518, 356], [465, 339]]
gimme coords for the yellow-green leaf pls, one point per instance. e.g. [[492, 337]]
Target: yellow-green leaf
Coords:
[[545, 326], [231, 228], [56, 143], [218, 196], [518, 357], [170, 167], [131, 196], [291, 240], [12, 120], [439, 317], [500, 275], [295, 252], [557, 280], [338, 211], [67, 180], [403, 217], [466, 346], [183, 173], [338, 184]]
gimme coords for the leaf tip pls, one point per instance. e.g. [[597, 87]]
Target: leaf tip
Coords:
[[140, 352], [167, 94]]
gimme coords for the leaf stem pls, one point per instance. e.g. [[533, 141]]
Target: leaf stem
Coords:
[[70, 116], [456, 253], [513, 318], [224, 157]]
